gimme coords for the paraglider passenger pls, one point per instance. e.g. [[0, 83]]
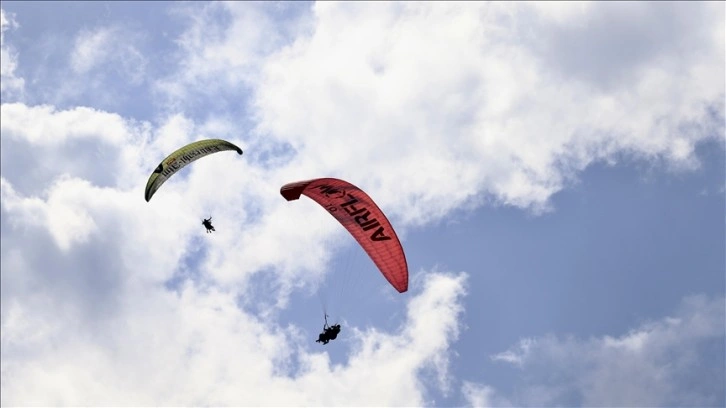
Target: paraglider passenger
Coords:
[[208, 224], [329, 333]]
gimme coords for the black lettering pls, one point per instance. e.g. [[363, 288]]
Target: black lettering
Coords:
[[363, 218], [170, 170], [352, 201], [331, 192], [324, 188], [352, 210], [378, 235], [370, 224], [356, 212]]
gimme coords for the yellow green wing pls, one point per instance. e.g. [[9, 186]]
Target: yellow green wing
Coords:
[[181, 157]]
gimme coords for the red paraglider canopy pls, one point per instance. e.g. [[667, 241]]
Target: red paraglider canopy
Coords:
[[357, 212]]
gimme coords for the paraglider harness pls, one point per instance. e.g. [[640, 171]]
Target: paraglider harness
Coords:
[[208, 224], [329, 332]]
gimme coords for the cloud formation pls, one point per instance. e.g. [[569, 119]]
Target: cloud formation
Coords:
[[430, 107], [11, 85], [109, 47], [674, 361], [85, 282], [199, 348], [499, 102]]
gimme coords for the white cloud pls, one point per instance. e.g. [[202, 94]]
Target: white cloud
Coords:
[[674, 361], [40, 143], [45, 151], [10, 83], [467, 98], [427, 106], [482, 396], [516, 357], [43, 125], [198, 348], [84, 271], [91, 49], [111, 48], [221, 52]]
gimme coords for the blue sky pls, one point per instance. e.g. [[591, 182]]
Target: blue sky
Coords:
[[555, 172]]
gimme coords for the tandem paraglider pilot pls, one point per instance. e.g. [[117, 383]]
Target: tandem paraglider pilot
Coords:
[[208, 224], [329, 332]]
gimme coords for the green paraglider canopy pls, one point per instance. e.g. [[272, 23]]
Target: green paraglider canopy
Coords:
[[182, 157]]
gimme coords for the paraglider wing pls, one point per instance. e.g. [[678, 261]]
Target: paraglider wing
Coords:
[[357, 212], [180, 158]]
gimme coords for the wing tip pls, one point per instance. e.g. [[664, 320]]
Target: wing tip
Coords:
[[293, 191]]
